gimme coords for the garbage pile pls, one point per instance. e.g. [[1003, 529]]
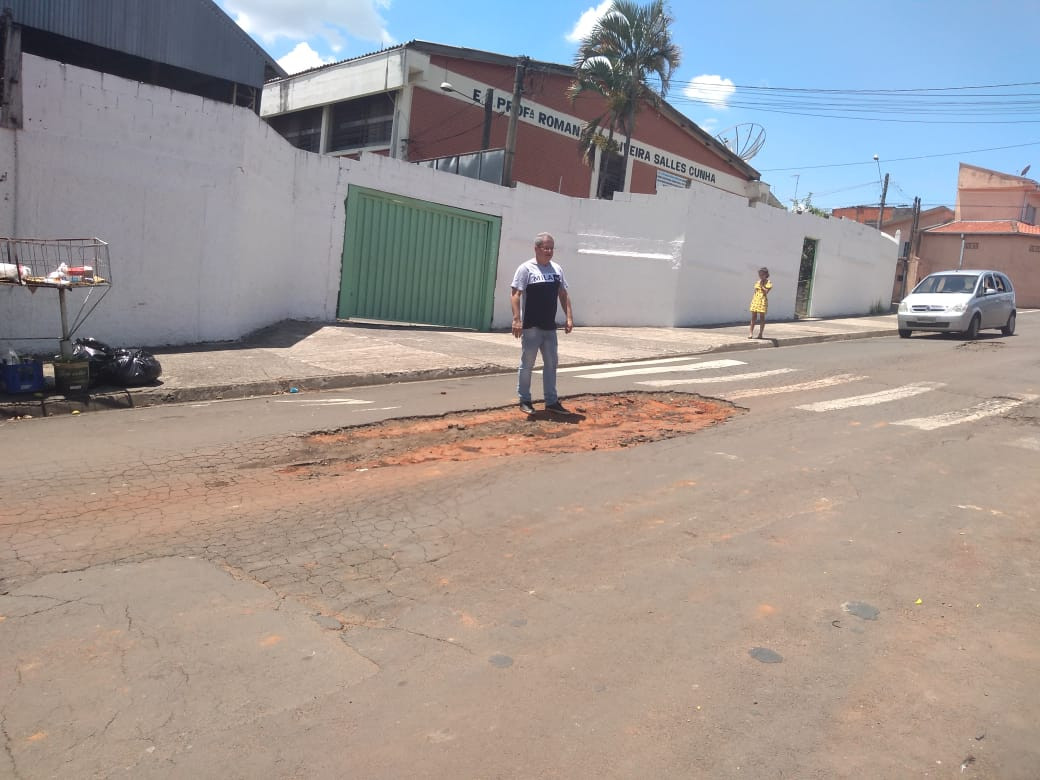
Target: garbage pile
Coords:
[[115, 366]]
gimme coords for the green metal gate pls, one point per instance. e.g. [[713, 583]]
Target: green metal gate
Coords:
[[407, 260]]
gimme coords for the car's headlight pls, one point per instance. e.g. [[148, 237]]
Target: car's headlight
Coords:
[[903, 308], [958, 307]]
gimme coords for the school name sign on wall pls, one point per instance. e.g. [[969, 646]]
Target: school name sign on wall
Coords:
[[564, 124]]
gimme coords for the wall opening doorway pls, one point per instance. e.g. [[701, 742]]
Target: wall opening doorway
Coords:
[[611, 175], [806, 271]]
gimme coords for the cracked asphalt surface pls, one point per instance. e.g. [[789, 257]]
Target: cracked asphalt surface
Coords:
[[740, 602], [112, 565]]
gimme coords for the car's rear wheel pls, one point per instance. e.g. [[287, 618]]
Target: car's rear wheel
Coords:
[[904, 333], [1009, 329], [972, 332]]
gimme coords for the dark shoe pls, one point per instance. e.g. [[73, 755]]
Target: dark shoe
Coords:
[[526, 408], [557, 408]]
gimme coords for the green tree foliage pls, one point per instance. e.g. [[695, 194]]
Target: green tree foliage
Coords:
[[806, 206], [627, 60]]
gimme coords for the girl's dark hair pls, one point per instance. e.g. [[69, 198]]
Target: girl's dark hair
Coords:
[[763, 268]]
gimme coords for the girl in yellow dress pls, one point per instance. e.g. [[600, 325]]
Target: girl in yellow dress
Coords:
[[760, 302]]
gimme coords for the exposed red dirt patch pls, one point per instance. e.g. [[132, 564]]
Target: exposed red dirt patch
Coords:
[[597, 422]]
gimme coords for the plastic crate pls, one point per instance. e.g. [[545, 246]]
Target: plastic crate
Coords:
[[24, 377], [71, 376]]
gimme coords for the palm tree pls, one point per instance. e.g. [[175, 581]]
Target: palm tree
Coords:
[[598, 76], [628, 59]]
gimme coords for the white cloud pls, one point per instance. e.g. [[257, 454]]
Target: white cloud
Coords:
[[709, 125], [588, 21], [303, 57], [326, 22], [713, 90]]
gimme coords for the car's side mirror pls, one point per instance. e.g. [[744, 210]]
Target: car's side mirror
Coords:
[[990, 291]]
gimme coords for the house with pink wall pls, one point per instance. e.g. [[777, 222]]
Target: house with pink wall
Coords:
[[994, 226], [899, 221]]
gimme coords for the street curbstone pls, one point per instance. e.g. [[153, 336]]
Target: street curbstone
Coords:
[[51, 405]]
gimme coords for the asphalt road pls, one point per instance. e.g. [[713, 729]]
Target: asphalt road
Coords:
[[840, 582]]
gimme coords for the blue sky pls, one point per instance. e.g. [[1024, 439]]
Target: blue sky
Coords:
[[797, 69]]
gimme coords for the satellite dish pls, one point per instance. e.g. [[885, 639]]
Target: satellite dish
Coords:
[[744, 140], [1025, 170]]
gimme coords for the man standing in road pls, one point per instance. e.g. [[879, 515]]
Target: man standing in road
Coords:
[[537, 285]]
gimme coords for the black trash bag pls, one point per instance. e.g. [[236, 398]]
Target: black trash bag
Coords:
[[133, 367], [98, 355]]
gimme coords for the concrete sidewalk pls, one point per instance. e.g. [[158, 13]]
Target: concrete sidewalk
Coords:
[[318, 356]]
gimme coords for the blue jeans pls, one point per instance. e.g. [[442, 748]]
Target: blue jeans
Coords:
[[533, 341]]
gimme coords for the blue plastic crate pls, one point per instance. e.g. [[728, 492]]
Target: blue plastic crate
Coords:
[[24, 377]]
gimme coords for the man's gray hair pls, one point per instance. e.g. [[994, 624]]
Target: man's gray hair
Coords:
[[540, 238]]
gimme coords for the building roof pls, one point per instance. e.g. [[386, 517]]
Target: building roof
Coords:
[[195, 35], [998, 226], [1009, 177], [677, 117]]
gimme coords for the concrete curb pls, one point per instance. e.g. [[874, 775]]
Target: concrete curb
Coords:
[[819, 339], [48, 405]]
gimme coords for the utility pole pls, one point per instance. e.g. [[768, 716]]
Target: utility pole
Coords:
[[910, 245], [485, 140], [514, 114], [10, 72], [884, 192]]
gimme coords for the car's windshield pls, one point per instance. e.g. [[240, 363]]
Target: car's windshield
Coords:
[[947, 283]]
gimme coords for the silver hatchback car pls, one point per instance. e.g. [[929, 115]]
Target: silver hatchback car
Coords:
[[959, 302]]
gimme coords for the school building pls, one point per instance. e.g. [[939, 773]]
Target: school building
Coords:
[[449, 108]]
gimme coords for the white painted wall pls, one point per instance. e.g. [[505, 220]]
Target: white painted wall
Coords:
[[378, 73], [217, 226]]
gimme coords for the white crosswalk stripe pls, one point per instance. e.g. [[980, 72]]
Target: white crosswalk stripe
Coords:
[[830, 381], [872, 399], [304, 401], [988, 408], [1027, 443], [687, 364], [628, 364], [703, 380], [705, 366]]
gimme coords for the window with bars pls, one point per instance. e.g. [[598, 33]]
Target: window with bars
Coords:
[[362, 123], [300, 128], [485, 165]]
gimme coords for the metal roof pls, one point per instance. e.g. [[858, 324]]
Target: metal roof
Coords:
[[195, 35]]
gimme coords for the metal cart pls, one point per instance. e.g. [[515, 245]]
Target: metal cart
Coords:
[[62, 264]]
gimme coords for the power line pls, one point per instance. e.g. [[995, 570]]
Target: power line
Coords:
[[970, 104], [816, 90], [900, 159], [887, 91], [883, 119], [1010, 103]]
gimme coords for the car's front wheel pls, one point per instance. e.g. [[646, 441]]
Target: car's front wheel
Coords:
[[972, 332], [904, 333], [1009, 329]]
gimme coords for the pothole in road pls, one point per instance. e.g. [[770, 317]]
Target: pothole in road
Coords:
[[987, 345], [597, 422]]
